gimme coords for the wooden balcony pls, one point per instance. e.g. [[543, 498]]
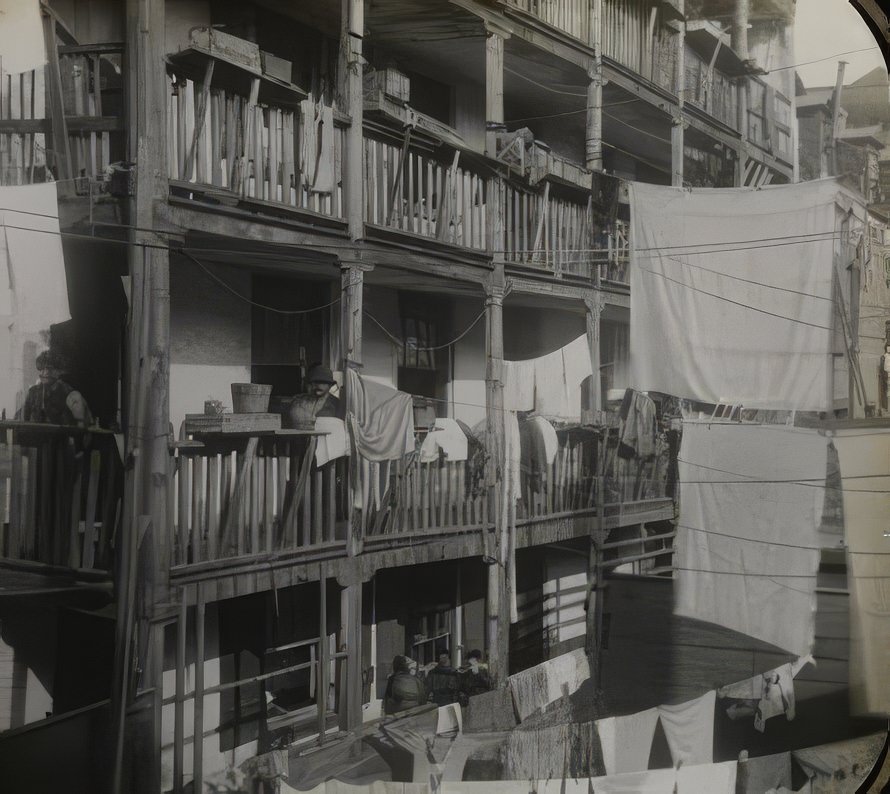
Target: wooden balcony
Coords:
[[411, 497], [415, 192], [255, 494], [554, 233], [81, 92], [635, 37], [711, 90], [252, 148], [569, 16], [59, 495]]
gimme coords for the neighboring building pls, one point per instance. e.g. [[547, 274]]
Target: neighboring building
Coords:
[[418, 191]]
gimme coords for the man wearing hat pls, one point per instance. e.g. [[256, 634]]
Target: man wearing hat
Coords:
[[51, 400], [317, 401]]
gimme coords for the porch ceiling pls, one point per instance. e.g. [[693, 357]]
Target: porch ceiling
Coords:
[[631, 124], [433, 36], [416, 282], [300, 261], [537, 82]]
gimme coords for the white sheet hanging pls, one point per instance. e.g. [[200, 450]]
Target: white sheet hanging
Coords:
[[626, 741], [747, 539], [731, 293], [32, 271], [865, 473], [689, 729]]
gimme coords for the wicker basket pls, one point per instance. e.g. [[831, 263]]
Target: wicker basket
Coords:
[[250, 398]]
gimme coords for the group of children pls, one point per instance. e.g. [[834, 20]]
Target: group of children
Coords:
[[409, 686]]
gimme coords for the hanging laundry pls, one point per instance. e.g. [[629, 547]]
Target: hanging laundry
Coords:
[[519, 385], [334, 444], [383, 423], [763, 773], [747, 538], [864, 457], [21, 37], [542, 438], [764, 696], [689, 728], [627, 741], [714, 318], [32, 277], [447, 436], [638, 431], [308, 142], [848, 761], [324, 171], [534, 689], [558, 378], [711, 778]]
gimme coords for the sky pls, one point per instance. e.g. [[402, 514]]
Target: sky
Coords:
[[825, 28]]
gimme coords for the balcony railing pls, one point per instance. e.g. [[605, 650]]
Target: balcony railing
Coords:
[[634, 36], [59, 495], [81, 91], [711, 90], [550, 232], [410, 496], [412, 192], [257, 150], [569, 16], [254, 495], [618, 258]]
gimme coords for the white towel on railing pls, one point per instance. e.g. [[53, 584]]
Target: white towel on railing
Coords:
[[333, 445]]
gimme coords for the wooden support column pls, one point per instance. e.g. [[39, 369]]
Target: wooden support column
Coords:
[[497, 625], [494, 91], [594, 306], [198, 736], [352, 32], [146, 521], [595, 586], [321, 695], [678, 122], [593, 148], [739, 31], [353, 654], [179, 705]]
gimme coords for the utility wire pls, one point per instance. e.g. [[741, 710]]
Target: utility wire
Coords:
[[738, 303], [399, 343], [542, 85], [819, 60]]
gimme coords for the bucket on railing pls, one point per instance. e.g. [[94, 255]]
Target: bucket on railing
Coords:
[[250, 398]]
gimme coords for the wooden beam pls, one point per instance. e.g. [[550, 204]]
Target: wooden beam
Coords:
[[198, 731], [494, 91], [351, 40], [200, 116], [594, 312], [60, 146], [497, 634], [677, 147], [179, 706], [321, 696]]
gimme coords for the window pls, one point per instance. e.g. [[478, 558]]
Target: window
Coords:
[[283, 346], [887, 270]]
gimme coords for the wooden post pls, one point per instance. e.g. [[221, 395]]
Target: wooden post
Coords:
[[835, 113], [354, 654], [595, 594], [739, 31], [198, 731], [494, 91], [593, 148], [147, 419], [179, 706], [60, 144], [321, 696], [497, 634], [678, 123], [594, 312], [352, 31]]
